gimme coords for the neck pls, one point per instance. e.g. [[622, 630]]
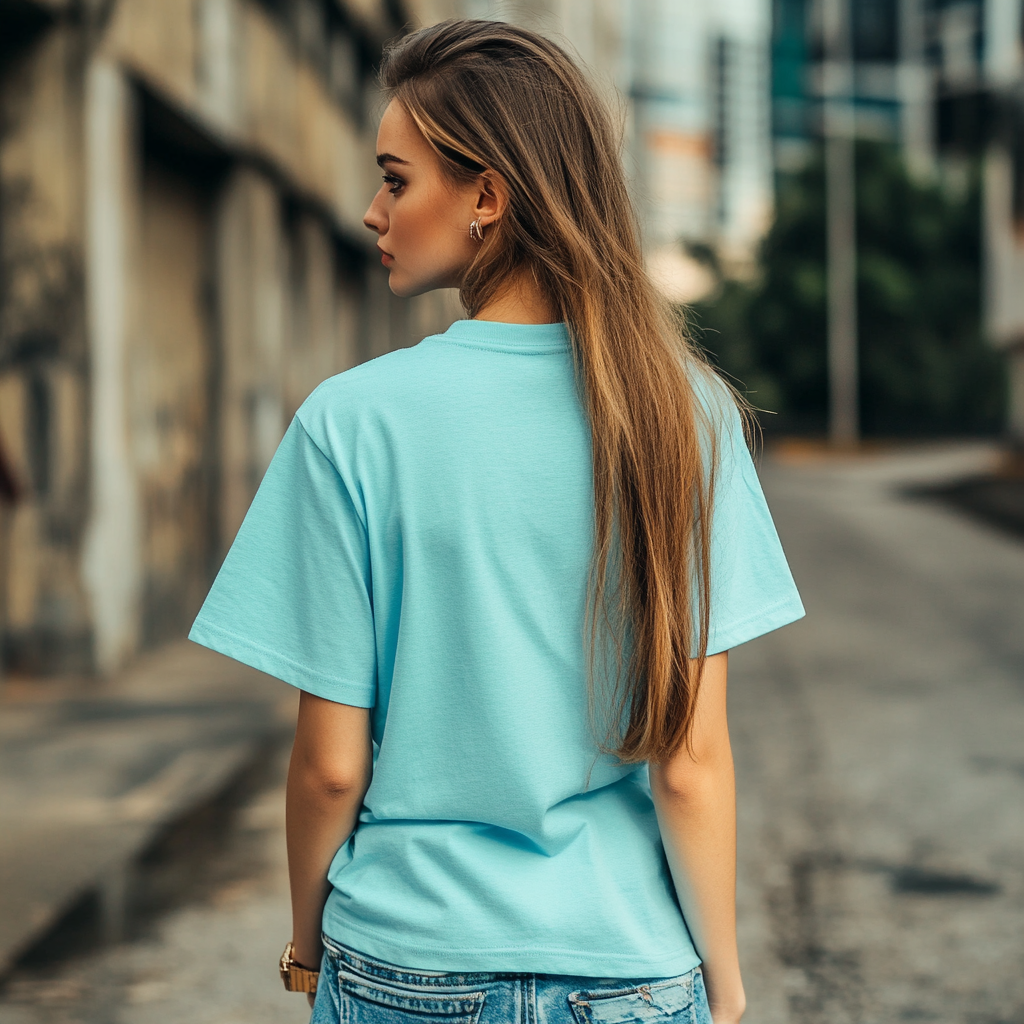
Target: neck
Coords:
[[520, 302]]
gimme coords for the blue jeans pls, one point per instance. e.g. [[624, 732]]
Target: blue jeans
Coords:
[[357, 989]]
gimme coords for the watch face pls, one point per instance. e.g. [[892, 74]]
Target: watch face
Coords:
[[296, 978], [286, 961]]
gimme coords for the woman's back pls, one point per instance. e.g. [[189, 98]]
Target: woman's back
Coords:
[[421, 545]]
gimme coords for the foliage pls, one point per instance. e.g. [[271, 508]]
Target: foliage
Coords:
[[925, 367]]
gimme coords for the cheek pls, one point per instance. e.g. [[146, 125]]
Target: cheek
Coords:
[[427, 233], [405, 228], [417, 227]]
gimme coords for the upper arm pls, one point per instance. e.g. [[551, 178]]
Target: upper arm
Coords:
[[333, 745], [709, 745]]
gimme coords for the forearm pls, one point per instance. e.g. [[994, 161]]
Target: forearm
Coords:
[[697, 819], [319, 819]]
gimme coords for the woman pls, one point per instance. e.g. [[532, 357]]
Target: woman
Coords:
[[504, 567]]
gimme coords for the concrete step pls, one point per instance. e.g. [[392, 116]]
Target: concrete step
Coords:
[[90, 775]]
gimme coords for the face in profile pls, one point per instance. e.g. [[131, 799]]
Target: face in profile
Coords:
[[421, 217]]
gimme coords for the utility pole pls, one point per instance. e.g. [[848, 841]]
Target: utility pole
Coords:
[[841, 223]]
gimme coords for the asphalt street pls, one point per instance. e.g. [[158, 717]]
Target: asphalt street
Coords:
[[880, 755]]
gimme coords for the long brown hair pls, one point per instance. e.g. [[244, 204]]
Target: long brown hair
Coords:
[[488, 95]]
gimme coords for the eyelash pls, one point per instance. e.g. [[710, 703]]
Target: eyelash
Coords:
[[396, 183]]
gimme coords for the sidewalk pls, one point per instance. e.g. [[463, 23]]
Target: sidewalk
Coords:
[[91, 772]]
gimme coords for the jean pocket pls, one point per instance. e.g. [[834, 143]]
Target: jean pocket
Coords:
[[655, 1002], [367, 1000]]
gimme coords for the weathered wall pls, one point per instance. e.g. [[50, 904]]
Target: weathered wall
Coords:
[[182, 261], [170, 384], [251, 311], [246, 84], [43, 355]]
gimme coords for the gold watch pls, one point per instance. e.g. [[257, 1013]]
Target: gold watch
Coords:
[[296, 978]]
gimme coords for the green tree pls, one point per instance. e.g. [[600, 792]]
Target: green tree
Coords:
[[925, 367]]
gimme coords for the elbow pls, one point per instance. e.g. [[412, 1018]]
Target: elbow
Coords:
[[336, 786], [334, 782], [668, 785], [690, 783]]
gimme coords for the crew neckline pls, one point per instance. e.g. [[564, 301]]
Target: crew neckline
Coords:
[[505, 337]]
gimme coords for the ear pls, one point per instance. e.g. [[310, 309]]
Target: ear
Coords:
[[491, 198]]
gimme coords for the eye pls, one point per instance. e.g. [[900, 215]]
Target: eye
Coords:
[[395, 182]]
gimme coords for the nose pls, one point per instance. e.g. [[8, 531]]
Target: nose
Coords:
[[375, 217]]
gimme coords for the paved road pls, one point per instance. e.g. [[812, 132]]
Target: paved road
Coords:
[[880, 747], [881, 769]]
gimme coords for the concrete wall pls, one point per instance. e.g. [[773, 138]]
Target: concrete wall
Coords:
[[43, 346], [182, 260]]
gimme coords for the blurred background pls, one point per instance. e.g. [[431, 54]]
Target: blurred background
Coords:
[[833, 193]]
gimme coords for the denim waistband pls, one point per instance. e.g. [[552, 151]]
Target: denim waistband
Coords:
[[368, 965], [362, 963]]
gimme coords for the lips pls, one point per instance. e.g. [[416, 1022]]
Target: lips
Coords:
[[386, 258]]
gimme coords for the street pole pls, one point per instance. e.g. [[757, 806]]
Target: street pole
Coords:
[[841, 225]]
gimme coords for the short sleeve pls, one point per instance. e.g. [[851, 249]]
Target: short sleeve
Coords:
[[293, 595], [752, 588]]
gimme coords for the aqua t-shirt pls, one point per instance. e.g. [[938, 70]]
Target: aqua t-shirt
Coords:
[[420, 546]]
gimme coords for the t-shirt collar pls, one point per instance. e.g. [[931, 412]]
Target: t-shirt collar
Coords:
[[533, 338]]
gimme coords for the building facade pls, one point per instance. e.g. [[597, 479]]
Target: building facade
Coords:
[[700, 86], [917, 78], [182, 260], [944, 79], [1004, 198]]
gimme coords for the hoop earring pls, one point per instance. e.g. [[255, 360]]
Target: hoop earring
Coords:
[[476, 231]]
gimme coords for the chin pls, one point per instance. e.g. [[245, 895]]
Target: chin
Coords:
[[403, 291], [409, 289]]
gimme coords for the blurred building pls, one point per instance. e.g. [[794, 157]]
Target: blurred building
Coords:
[[916, 78], [1004, 196], [944, 79], [182, 260], [700, 73]]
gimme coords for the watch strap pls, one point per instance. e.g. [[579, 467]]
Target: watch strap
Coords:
[[296, 978]]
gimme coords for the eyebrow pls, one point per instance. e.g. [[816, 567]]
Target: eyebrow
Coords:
[[389, 158]]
